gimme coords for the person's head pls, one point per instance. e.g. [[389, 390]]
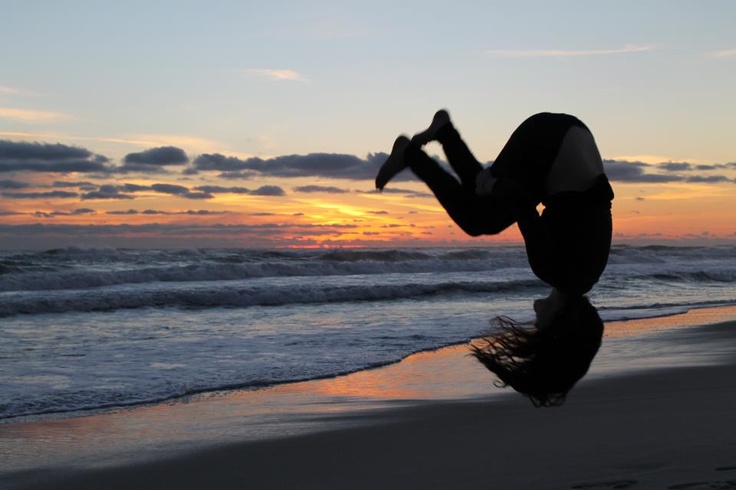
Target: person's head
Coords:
[[544, 362], [548, 308]]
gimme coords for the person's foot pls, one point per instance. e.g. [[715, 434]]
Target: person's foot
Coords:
[[394, 163], [440, 118]]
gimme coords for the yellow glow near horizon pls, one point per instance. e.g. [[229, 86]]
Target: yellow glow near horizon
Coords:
[[650, 212]]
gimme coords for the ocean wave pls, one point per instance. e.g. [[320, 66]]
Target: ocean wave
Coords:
[[76, 268], [236, 296], [92, 401], [226, 268], [712, 276]]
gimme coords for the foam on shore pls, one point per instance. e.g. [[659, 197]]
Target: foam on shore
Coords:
[[657, 408]]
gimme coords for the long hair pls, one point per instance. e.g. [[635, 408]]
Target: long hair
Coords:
[[544, 363]]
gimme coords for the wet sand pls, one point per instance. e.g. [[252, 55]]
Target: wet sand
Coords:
[[657, 411]]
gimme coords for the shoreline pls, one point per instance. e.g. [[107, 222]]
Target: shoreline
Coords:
[[442, 392], [613, 329]]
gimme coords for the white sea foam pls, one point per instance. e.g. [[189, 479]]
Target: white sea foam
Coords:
[[88, 329]]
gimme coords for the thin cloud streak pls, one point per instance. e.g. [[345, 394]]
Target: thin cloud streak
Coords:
[[8, 90], [725, 53], [29, 115], [278, 75], [40, 195], [193, 144], [563, 53]]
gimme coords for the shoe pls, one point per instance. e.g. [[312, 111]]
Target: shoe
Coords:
[[394, 163], [440, 118]]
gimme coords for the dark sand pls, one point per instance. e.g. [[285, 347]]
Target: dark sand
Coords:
[[659, 415]]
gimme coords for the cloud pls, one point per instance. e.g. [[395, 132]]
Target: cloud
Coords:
[[278, 75], [9, 90], [124, 191], [5, 90], [725, 53], [708, 179], [134, 188], [29, 115], [676, 166], [46, 157], [329, 165], [13, 184], [398, 190], [268, 190], [85, 186], [180, 190], [40, 195], [218, 162], [562, 53], [202, 212], [152, 161], [54, 214], [237, 175], [107, 191], [192, 143], [173, 189], [622, 171], [320, 188], [625, 171], [216, 189], [164, 155], [229, 167], [198, 212]]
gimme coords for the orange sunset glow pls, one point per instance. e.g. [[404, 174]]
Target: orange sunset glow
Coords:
[[256, 126], [333, 213]]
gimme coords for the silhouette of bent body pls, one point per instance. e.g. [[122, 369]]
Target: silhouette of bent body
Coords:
[[550, 159]]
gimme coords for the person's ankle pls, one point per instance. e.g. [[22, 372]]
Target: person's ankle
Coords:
[[395, 162], [446, 133], [440, 122]]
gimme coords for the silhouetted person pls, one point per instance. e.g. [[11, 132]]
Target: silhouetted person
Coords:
[[550, 159]]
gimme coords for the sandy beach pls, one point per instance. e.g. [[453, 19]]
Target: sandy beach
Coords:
[[658, 410]]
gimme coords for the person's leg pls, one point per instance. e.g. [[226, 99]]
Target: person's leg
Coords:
[[461, 159], [394, 164], [459, 156], [473, 214]]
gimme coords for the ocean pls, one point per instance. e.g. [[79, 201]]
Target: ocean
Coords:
[[85, 330]]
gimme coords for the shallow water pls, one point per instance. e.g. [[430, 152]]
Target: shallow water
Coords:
[[94, 329]]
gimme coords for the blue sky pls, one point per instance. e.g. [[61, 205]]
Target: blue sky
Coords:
[[280, 77], [244, 79]]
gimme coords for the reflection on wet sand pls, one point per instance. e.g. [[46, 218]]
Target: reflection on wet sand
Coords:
[[446, 374]]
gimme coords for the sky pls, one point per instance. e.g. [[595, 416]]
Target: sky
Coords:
[[218, 123]]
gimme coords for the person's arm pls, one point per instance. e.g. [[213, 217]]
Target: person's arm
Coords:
[[541, 248]]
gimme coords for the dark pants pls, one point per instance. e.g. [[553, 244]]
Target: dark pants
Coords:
[[526, 158], [568, 245]]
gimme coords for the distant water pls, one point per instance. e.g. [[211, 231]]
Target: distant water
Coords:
[[85, 329]]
